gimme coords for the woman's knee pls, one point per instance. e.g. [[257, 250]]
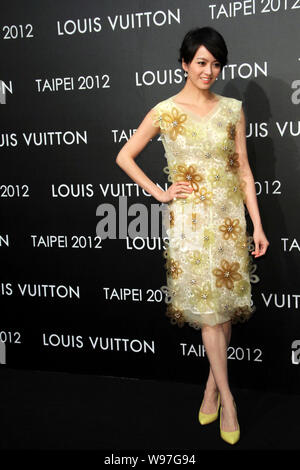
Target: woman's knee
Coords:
[[211, 330]]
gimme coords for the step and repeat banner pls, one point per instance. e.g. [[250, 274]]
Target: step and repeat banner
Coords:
[[81, 263]]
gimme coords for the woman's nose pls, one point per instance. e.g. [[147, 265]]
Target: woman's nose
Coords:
[[208, 69]]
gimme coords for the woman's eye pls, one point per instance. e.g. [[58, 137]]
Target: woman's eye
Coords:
[[217, 64]]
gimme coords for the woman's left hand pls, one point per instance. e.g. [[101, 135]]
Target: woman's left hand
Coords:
[[261, 242]]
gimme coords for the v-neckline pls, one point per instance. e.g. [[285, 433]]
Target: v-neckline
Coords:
[[199, 118]]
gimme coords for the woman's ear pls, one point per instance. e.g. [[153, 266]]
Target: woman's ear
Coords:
[[184, 65]]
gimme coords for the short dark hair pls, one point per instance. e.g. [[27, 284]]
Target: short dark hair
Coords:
[[208, 37]]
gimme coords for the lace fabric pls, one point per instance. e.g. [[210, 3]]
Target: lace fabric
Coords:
[[209, 269]]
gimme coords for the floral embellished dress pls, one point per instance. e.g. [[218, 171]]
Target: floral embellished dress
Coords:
[[208, 264]]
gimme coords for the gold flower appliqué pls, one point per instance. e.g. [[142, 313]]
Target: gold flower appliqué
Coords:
[[173, 121], [230, 228], [188, 174], [227, 274]]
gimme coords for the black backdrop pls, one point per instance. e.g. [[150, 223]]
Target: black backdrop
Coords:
[[76, 293]]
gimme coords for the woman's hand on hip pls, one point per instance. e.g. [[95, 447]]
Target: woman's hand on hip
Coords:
[[179, 189]]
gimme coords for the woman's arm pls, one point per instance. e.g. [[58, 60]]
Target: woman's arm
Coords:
[[128, 153], [261, 242]]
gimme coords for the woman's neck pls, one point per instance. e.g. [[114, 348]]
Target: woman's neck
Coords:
[[192, 94]]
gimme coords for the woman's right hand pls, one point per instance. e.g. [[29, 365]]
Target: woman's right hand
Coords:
[[179, 189]]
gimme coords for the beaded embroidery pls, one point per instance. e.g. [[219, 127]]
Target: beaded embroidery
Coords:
[[208, 264]]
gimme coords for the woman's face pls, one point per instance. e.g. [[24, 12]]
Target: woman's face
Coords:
[[203, 69]]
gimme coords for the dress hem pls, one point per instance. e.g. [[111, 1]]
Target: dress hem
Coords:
[[239, 314]]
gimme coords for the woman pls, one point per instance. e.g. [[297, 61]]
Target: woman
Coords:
[[208, 260]]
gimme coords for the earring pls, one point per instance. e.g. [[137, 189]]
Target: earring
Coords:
[[185, 74]]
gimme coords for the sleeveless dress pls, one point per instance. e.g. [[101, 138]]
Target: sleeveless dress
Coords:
[[208, 265]]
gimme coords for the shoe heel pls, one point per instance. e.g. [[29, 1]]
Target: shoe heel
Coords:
[[205, 418]]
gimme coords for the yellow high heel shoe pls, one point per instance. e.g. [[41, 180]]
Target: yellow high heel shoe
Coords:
[[229, 436], [205, 418]]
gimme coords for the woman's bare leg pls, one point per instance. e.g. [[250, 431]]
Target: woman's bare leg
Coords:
[[216, 339], [211, 389]]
